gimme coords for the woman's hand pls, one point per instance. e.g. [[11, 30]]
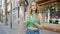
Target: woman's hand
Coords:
[[25, 23], [32, 20]]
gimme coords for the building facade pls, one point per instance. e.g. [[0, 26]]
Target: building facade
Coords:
[[1, 10]]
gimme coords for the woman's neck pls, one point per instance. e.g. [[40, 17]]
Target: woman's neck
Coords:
[[33, 12]]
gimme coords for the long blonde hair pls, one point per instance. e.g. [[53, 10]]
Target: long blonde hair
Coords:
[[29, 11]]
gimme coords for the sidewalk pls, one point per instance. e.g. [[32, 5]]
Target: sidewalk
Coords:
[[17, 30], [8, 30]]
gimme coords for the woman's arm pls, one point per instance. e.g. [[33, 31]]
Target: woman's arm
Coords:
[[25, 22], [41, 22]]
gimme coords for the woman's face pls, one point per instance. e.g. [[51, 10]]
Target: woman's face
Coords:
[[33, 6]]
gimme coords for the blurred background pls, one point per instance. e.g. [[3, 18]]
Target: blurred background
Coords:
[[13, 12]]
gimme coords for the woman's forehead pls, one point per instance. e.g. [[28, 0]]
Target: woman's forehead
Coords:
[[33, 3]]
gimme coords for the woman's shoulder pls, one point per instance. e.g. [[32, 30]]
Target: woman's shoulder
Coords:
[[39, 14]]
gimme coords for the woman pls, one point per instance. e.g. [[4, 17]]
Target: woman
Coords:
[[33, 20]]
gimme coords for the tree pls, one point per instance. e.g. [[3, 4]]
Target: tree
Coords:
[[6, 12]]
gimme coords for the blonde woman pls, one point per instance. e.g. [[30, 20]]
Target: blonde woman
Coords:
[[34, 20]]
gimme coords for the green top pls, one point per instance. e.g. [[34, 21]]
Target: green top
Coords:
[[30, 24]]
